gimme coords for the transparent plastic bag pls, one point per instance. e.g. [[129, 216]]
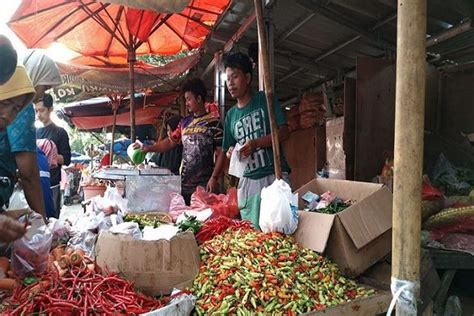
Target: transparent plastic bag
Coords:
[[30, 253], [84, 240], [60, 231], [277, 211]]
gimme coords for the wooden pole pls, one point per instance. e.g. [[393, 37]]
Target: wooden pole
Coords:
[[263, 44], [131, 64], [409, 124], [113, 136]]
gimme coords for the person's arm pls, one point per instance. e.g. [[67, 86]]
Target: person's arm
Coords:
[[160, 146], [30, 180], [266, 141], [64, 149], [212, 183]]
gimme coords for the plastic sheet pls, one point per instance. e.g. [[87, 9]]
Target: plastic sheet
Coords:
[[151, 193], [403, 292]]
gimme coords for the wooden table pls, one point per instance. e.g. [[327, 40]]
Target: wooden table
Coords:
[[450, 261]]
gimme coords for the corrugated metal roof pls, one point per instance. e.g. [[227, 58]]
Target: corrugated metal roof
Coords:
[[309, 53]]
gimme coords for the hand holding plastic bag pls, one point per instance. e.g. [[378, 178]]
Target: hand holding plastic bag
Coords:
[[30, 253], [276, 211]]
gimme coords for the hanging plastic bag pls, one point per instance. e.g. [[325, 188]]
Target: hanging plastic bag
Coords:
[[30, 253], [277, 209]]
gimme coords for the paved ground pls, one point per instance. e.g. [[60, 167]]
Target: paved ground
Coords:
[[71, 211]]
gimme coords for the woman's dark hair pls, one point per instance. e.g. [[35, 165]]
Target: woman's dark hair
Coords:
[[239, 61], [47, 100], [173, 121], [196, 86]]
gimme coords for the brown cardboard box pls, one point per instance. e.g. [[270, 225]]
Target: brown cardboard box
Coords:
[[356, 238], [156, 267]]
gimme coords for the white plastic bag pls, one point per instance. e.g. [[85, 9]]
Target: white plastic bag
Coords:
[[278, 212], [237, 164], [18, 199], [127, 228]]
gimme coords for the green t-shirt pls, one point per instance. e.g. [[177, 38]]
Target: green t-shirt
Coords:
[[252, 122]]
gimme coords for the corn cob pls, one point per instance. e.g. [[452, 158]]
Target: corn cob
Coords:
[[448, 216]]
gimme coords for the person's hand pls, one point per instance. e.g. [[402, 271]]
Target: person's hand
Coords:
[[212, 185], [16, 214], [248, 149], [10, 229], [229, 152], [138, 145]]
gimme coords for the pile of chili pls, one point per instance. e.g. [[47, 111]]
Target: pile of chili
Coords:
[[81, 291], [245, 272], [218, 225]]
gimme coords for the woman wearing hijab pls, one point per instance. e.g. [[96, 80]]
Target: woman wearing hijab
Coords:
[[17, 147], [43, 72]]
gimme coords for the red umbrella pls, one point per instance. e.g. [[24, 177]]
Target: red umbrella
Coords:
[[114, 34]]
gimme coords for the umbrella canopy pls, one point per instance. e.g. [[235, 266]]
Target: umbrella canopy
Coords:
[[165, 6], [102, 30], [98, 113], [114, 34]]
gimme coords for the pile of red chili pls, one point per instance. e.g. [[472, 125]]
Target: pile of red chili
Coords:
[[81, 292], [218, 225]]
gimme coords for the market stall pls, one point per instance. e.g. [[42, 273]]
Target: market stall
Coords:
[[325, 249]]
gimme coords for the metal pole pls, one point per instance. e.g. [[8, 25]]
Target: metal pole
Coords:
[[409, 121], [263, 44]]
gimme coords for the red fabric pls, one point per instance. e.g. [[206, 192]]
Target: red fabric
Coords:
[[105, 161], [429, 192], [40, 23], [143, 116]]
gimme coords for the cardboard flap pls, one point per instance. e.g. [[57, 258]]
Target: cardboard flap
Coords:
[[368, 218], [313, 230]]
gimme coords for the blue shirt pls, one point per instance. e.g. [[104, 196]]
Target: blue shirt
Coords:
[[45, 183], [19, 136]]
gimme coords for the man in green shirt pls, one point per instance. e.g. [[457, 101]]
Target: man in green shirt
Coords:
[[248, 124]]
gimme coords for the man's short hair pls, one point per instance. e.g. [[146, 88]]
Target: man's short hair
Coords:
[[196, 86], [239, 61], [47, 100]]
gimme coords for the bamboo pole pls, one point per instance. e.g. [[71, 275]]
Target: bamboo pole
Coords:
[[113, 136], [409, 121], [263, 44], [131, 64]]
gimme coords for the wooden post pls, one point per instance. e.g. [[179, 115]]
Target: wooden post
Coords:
[[131, 64], [113, 135], [263, 45], [409, 121]]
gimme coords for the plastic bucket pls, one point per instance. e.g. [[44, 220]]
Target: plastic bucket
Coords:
[[93, 190]]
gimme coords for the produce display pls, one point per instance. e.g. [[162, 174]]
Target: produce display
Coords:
[[327, 203], [245, 272], [74, 285], [152, 219], [218, 225], [190, 223]]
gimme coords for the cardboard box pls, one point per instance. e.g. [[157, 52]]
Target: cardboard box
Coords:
[[156, 267], [355, 238]]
